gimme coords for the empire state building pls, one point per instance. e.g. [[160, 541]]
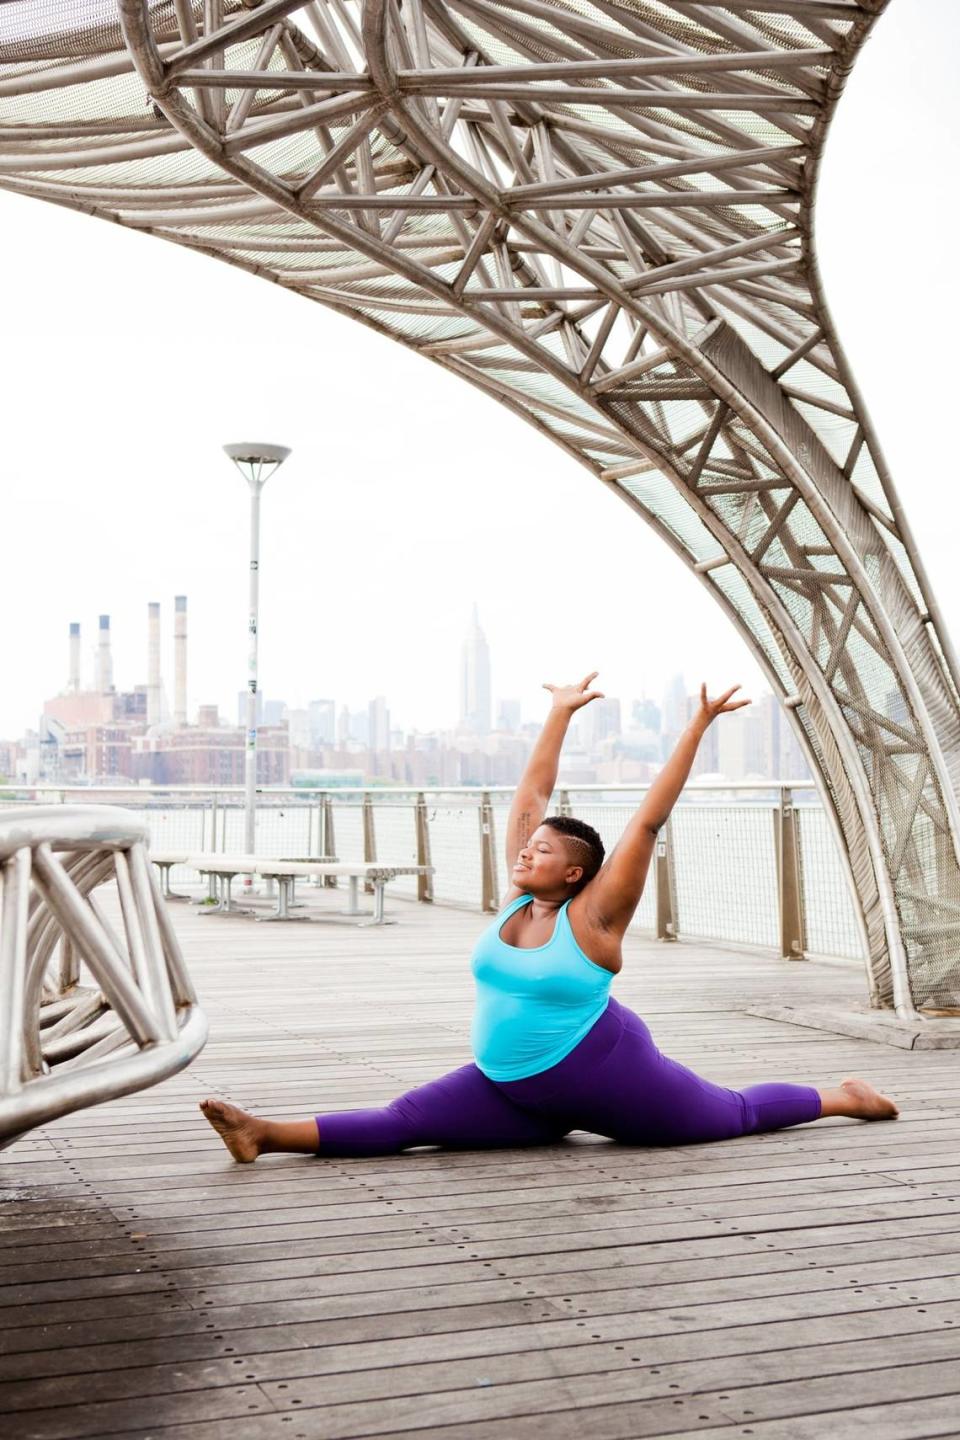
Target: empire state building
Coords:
[[476, 712]]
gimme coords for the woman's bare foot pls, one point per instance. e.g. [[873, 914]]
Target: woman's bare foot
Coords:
[[241, 1133], [859, 1100], [871, 1105]]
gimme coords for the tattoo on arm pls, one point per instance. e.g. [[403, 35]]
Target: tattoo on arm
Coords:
[[523, 828]]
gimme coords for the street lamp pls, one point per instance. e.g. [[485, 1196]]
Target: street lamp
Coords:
[[256, 464]]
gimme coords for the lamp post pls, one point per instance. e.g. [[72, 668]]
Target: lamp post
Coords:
[[256, 463]]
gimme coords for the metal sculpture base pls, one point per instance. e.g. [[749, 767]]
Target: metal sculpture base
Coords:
[[64, 1045], [881, 1026]]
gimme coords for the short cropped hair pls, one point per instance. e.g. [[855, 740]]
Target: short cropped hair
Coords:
[[585, 844]]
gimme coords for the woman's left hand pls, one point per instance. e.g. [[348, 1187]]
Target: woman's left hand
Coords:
[[574, 697], [710, 709]]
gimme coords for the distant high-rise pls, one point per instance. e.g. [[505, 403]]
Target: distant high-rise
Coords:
[[322, 726], [360, 726], [298, 728], [599, 721], [646, 715], [742, 746], [508, 716], [242, 709], [475, 704], [378, 724], [673, 719]]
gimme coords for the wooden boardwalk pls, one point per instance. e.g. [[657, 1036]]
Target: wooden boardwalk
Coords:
[[786, 1286]]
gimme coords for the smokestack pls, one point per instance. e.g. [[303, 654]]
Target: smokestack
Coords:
[[180, 659], [153, 663], [104, 659], [74, 684]]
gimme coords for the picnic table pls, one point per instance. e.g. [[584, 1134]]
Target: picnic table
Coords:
[[222, 870]]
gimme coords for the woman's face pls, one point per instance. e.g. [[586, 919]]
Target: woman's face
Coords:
[[544, 866]]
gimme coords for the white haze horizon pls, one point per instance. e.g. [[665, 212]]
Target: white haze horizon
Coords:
[[130, 362]]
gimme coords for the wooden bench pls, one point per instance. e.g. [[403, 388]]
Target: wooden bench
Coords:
[[165, 860], [222, 870]]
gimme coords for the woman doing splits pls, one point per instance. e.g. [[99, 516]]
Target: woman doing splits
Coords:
[[553, 1051]]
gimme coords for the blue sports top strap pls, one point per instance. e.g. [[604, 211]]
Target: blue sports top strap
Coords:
[[513, 907]]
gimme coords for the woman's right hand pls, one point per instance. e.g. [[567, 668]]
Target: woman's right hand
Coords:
[[574, 697], [710, 709]]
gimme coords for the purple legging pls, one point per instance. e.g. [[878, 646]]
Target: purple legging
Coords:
[[615, 1082]]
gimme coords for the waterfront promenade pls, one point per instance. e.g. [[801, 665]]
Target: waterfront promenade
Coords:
[[787, 1286]]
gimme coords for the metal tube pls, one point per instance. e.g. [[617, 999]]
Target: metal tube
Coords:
[[14, 895], [250, 762], [60, 1094], [180, 983], [115, 982]]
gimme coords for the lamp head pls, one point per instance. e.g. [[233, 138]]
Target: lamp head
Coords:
[[256, 460]]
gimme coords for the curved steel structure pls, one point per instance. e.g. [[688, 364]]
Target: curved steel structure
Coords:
[[599, 212], [64, 1045]]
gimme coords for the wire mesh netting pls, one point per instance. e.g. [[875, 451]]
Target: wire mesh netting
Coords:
[[176, 827], [455, 852], [830, 920], [347, 831], [396, 842], [726, 872], [284, 831]]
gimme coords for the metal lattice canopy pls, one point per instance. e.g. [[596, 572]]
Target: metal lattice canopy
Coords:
[[599, 212]]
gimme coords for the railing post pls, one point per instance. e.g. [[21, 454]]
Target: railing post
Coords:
[[668, 926], [422, 823], [789, 879], [369, 839], [563, 803], [213, 822], [315, 836], [489, 901], [329, 847]]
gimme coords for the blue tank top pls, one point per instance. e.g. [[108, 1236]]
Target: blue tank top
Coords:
[[533, 1006]]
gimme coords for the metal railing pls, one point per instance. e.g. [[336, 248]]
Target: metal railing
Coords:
[[751, 863]]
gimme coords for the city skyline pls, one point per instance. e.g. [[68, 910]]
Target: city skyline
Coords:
[[481, 706], [94, 730], [131, 660]]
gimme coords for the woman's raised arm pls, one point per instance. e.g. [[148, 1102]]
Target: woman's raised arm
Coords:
[[540, 776], [614, 893]]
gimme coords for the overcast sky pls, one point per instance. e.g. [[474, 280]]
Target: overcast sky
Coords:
[[126, 363]]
